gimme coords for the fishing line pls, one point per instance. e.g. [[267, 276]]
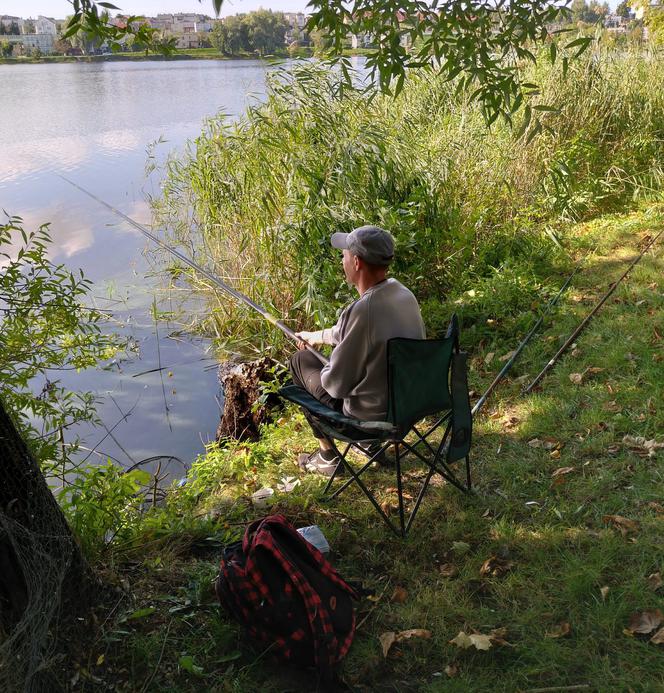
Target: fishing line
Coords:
[[238, 295]]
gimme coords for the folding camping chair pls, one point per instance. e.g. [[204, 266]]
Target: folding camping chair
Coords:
[[425, 378]]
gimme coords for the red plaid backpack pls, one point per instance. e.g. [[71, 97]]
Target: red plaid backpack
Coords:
[[287, 595]]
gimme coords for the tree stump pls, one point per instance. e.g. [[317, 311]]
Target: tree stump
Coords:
[[242, 388]]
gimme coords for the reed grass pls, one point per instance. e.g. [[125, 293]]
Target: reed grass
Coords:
[[258, 198]]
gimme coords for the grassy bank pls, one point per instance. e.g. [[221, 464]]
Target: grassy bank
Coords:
[[180, 54], [553, 474], [194, 54]]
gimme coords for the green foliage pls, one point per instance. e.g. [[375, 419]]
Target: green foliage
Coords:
[[486, 46], [103, 504], [260, 32], [316, 157], [593, 13], [45, 328], [653, 19]]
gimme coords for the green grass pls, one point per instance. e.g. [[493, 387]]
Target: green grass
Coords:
[[562, 550]]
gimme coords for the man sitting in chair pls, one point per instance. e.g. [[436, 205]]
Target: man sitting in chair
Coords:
[[355, 380]]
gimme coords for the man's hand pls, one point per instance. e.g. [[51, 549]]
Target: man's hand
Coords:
[[305, 339]]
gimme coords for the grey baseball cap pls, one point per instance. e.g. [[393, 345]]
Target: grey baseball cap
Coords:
[[371, 243]]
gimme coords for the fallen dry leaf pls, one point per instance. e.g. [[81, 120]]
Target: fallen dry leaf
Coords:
[[387, 640], [657, 507], [549, 443], [559, 631], [495, 566], [654, 581], [489, 357], [624, 524], [611, 406], [507, 356], [452, 670], [448, 570], [399, 595], [658, 638], [555, 454], [388, 506], [576, 378], [641, 446], [476, 640], [480, 642], [604, 591], [413, 633], [645, 622], [561, 471], [498, 635], [535, 443]]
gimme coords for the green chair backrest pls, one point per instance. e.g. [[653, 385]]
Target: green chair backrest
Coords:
[[418, 378]]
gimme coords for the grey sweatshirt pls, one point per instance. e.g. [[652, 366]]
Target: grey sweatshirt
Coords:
[[357, 372]]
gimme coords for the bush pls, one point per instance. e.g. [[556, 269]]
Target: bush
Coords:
[[45, 328], [462, 201]]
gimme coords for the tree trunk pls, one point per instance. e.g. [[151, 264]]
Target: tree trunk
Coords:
[[44, 578]]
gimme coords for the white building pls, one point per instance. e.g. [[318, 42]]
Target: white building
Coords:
[[188, 27], [46, 25], [44, 42], [295, 19]]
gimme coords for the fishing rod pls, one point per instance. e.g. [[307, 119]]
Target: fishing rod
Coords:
[[588, 318], [201, 270], [503, 371]]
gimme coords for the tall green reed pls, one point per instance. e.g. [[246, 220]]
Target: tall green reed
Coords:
[[258, 198]]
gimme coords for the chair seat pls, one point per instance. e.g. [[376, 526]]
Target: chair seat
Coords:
[[343, 427]]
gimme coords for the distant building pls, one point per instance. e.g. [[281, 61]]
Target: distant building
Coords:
[[44, 42], [46, 25], [7, 21], [616, 24], [189, 28], [295, 19]]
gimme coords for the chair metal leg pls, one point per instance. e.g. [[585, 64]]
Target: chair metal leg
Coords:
[[365, 490], [342, 461], [420, 497], [400, 489]]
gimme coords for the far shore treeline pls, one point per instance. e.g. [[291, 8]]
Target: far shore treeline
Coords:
[[266, 32]]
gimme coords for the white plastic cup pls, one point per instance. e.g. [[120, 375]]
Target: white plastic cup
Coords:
[[261, 499]]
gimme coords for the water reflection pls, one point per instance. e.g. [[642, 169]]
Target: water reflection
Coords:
[[94, 123]]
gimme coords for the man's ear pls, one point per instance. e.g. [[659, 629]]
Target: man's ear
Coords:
[[358, 263]]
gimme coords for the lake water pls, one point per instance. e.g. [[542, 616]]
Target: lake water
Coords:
[[94, 123]]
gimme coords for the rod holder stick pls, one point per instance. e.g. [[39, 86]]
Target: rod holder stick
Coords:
[[503, 371], [238, 295], [588, 318]]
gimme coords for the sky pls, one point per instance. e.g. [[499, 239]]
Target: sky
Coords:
[[61, 8]]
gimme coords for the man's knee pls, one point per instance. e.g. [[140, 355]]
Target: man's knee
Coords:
[[301, 364]]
